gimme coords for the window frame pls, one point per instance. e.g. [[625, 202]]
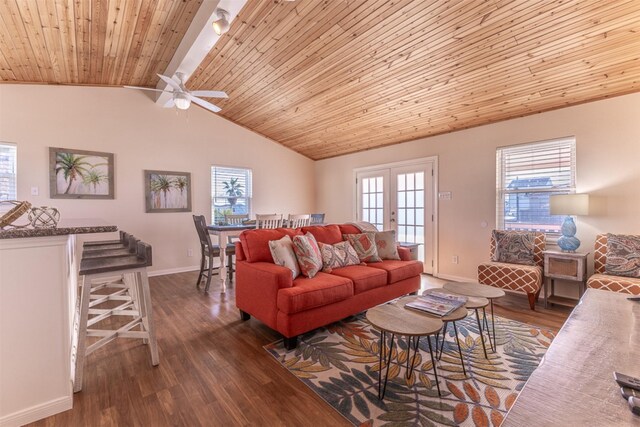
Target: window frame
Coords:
[[12, 176], [248, 193], [502, 190]]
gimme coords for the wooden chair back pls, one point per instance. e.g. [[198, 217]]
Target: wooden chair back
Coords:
[[235, 219], [269, 221], [203, 233], [317, 218], [298, 220]]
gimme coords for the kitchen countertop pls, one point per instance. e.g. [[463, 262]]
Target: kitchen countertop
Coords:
[[68, 226]]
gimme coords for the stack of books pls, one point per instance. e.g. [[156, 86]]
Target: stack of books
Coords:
[[438, 303]]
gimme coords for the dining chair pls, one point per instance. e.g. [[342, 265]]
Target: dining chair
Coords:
[[298, 220], [268, 221], [235, 219], [317, 218], [208, 252]]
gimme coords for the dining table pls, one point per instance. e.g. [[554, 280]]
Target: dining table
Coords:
[[225, 232]]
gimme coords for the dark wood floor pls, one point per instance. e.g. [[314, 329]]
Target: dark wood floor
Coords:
[[213, 369]]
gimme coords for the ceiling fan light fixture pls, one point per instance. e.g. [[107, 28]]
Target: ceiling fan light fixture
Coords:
[[221, 25], [181, 100]]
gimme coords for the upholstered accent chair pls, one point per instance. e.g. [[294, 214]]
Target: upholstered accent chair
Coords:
[[602, 280], [516, 277]]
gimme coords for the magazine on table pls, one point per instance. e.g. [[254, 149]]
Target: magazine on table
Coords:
[[437, 303]]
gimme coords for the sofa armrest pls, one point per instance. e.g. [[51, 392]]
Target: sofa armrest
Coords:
[[264, 274], [257, 286], [405, 253]]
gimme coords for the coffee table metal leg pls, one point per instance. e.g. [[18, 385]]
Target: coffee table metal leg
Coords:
[[481, 334], [493, 324], [455, 329], [386, 375], [487, 328], [435, 370], [444, 337], [415, 353]]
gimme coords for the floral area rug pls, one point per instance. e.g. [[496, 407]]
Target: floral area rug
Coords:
[[340, 363]]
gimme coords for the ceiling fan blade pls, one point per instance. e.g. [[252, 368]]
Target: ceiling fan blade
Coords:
[[146, 88], [201, 102], [170, 82], [169, 103], [209, 93]]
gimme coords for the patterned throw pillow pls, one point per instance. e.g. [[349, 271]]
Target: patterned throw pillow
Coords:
[[365, 246], [387, 245], [514, 247], [283, 254], [308, 254], [623, 255], [339, 255]]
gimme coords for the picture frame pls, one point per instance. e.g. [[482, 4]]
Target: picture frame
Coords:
[[167, 191], [80, 174]]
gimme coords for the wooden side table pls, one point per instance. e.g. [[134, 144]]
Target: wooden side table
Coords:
[[570, 266]]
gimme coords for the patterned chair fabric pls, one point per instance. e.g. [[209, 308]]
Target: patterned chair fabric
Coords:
[[600, 280], [516, 277]]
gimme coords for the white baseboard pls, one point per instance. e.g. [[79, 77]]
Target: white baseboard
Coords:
[[37, 412], [174, 270], [456, 278]]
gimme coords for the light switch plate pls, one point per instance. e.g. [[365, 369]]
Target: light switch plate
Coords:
[[444, 195], [35, 191]]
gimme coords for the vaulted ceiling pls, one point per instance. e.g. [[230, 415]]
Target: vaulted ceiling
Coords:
[[332, 77]]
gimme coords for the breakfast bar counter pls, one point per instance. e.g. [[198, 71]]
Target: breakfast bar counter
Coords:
[[38, 285]]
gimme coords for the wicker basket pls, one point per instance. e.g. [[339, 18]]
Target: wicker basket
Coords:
[[19, 209]]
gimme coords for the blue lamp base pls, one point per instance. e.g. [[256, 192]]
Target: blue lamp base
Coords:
[[568, 242]]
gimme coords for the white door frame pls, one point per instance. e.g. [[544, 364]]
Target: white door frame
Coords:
[[434, 162]]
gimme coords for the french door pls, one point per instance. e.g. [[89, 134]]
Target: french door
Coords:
[[400, 198]]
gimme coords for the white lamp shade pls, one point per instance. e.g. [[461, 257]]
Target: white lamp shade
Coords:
[[569, 204]]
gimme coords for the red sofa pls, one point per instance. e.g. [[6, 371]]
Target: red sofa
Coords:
[[292, 307]]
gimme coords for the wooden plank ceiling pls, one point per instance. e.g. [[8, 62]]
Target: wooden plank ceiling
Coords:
[[331, 77], [94, 42], [327, 78]]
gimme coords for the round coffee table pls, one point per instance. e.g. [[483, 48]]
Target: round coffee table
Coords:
[[473, 289], [393, 318]]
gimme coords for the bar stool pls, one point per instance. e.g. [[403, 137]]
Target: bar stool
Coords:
[[124, 236], [128, 248], [126, 278]]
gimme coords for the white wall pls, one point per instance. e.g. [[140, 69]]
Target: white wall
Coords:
[[608, 158], [142, 136]]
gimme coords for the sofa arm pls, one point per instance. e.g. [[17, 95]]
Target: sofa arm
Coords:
[[257, 286], [405, 253]]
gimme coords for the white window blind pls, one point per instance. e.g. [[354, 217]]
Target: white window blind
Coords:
[[230, 192], [8, 160], [527, 175]]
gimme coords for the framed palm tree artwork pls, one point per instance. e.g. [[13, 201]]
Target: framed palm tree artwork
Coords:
[[167, 191], [80, 174]]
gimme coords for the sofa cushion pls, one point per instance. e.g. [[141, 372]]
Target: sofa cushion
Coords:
[[308, 253], [363, 277], [307, 293], [519, 278], [283, 254], [514, 247], [399, 270], [329, 234], [349, 229], [255, 243], [339, 255], [365, 246], [623, 255]]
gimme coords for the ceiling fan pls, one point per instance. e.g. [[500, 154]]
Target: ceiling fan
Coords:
[[181, 98]]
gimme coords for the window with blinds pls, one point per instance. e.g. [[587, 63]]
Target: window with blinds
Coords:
[[527, 175], [230, 192], [8, 186]]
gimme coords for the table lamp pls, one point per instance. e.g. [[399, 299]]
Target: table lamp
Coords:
[[569, 204]]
